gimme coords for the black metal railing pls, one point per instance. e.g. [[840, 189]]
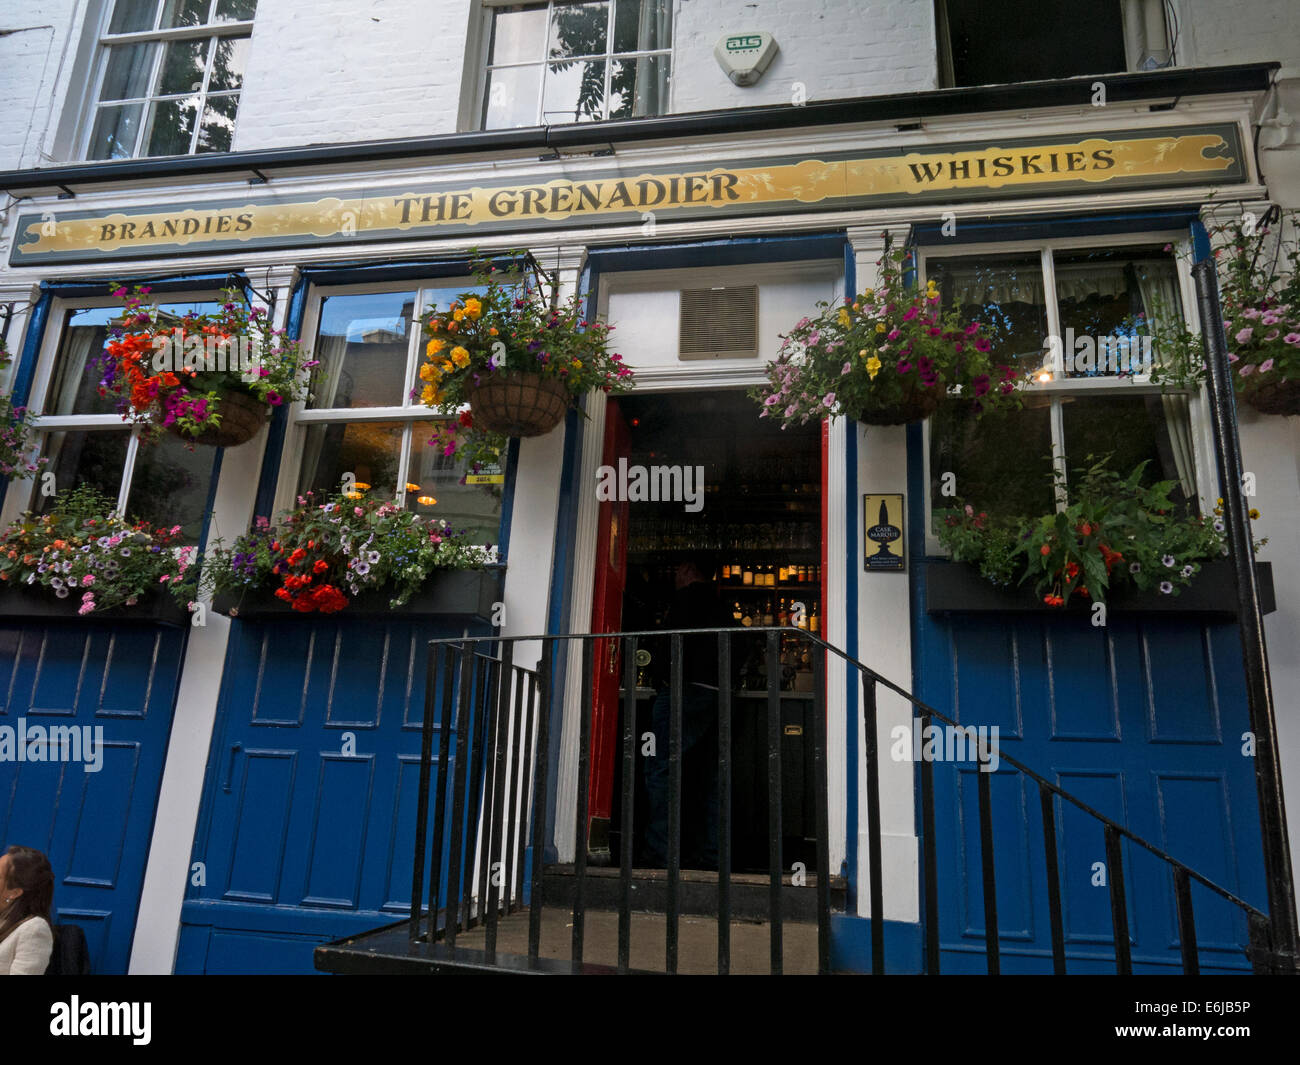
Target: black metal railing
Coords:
[[494, 720]]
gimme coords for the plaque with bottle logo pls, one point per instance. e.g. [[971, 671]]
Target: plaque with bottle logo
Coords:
[[882, 523]]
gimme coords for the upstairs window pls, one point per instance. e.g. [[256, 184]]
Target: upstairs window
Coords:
[[1053, 39], [168, 77], [549, 64]]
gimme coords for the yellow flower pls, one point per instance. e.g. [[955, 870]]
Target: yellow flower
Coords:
[[430, 373], [862, 353], [361, 486], [576, 364], [473, 308], [844, 317], [869, 293], [880, 327], [352, 495], [446, 366], [458, 314], [1253, 513], [460, 357], [434, 346], [873, 367]]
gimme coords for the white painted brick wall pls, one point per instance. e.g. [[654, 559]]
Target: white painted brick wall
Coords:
[[339, 70]]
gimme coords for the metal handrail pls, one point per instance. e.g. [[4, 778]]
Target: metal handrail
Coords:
[[539, 692]]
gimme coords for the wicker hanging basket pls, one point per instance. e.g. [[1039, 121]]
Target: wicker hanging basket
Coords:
[[242, 415], [518, 404], [916, 407], [1282, 397]]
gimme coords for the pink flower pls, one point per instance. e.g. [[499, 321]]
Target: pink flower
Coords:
[[1244, 335], [163, 579], [911, 313], [357, 511], [87, 581], [1247, 369], [828, 400], [86, 607], [1265, 366], [1292, 338]]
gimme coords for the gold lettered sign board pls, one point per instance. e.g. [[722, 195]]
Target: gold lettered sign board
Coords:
[[883, 532], [946, 174]]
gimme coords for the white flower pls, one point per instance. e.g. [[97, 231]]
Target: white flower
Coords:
[[1169, 560]]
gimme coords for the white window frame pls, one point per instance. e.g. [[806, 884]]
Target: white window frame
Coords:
[[104, 40], [410, 412], [1140, 384], [478, 77], [22, 495]]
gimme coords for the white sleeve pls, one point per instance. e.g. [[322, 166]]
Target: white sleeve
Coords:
[[32, 951]]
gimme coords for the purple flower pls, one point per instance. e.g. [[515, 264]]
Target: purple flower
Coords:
[[828, 400], [1166, 587], [1243, 335], [1265, 366]]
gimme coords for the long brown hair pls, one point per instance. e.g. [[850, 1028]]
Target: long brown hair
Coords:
[[30, 870]]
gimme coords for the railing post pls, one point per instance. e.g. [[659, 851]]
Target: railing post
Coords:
[[584, 794], [1118, 903], [626, 827], [422, 796], [498, 732], [541, 782], [822, 801], [446, 723], [1186, 923], [454, 873], [775, 823], [991, 943], [674, 802], [1048, 807], [870, 722], [724, 804], [930, 855]]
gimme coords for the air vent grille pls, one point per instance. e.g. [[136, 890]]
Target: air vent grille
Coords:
[[719, 323]]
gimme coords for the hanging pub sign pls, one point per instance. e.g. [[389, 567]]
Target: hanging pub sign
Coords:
[[882, 524], [948, 174]]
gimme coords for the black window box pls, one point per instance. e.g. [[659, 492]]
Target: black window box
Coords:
[[40, 604], [958, 588], [463, 593]]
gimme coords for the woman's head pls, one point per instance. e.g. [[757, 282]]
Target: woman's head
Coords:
[[26, 887]]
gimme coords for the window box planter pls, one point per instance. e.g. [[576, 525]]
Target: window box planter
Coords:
[[956, 588], [22, 603], [463, 593]]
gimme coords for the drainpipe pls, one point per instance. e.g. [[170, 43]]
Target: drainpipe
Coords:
[[1281, 954]]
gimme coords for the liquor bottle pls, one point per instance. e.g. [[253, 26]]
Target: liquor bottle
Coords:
[[814, 622], [783, 615], [746, 619], [747, 574], [736, 612], [735, 572], [767, 613], [726, 571], [771, 576]]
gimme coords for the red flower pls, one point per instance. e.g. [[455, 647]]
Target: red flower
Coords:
[[1044, 550]]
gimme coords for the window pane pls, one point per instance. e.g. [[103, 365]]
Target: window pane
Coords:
[[235, 10], [185, 13], [579, 29], [218, 124], [1131, 429], [575, 92], [510, 100], [170, 485], [115, 132], [173, 127], [642, 25], [363, 347], [1002, 461], [81, 457], [1106, 298], [472, 508], [131, 16], [127, 75], [74, 386], [1005, 292], [517, 36], [183, 65], [228, 64], [369, 451], [638, 86]]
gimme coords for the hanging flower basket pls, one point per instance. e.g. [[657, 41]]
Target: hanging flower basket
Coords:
[[242, 415], [913, 408], [519, 403], [1276, 397]]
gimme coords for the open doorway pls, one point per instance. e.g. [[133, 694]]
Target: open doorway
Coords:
[[749, 520]]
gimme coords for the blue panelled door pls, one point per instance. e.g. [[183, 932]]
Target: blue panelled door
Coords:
[[94, 825], [306, 833], [1142, 720]]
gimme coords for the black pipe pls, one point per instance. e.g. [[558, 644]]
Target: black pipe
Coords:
[[1259, 689], [898, 108]]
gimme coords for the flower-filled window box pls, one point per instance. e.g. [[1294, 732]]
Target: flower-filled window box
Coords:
[[352, 553], [81, 560]]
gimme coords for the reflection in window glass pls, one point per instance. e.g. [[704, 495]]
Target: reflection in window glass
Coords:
[[80, 457], [1003, 291], [1124, 430], [369, 451], [363, 347], [1108, 298], [437, 487], [1002, 461], [170, 485]]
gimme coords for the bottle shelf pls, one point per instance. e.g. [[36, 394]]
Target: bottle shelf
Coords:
[[807, 586]]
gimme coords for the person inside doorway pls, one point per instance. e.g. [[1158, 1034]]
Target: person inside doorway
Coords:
[[695, 605], [26, 894]]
